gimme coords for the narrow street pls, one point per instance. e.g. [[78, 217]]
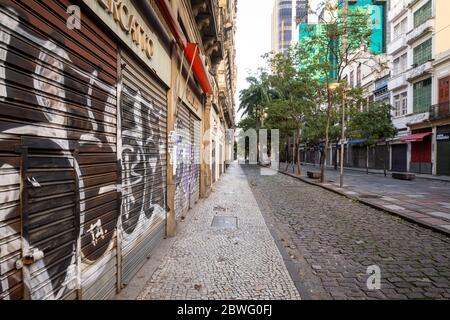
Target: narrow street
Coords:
[[332, 240]]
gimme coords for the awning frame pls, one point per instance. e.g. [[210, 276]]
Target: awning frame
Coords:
[[416, 137]]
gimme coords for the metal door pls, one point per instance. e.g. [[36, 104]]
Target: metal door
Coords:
[[443, 151], [183, 161], [399, 157], [143, 107], [194, 183], [444, 96], [58, 141]]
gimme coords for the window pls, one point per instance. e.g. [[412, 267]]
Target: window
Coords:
[[404, 62], [400, 28], [397, 106], [401, 104], [422, 96], [404, 103], [352, 79], [358, 76], [400, 64], [397, 66], [423, 14], [423, 52]]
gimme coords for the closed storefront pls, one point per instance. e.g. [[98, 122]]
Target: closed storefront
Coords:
[[83, 130], [443, 150], [143, 213], [194, 183], [399, 157], [420, 151], [187, 147], [183, 160], [58, 126], [380, 157]]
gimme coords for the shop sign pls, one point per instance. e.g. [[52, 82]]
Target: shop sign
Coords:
[[125, 20], [130, 24], [443, 136]]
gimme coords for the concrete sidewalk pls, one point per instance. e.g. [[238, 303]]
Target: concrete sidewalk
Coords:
[[426, 202], [206, 262]]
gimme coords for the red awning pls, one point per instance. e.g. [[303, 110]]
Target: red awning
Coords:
[[193, 55], [175, 27], [417, 137]]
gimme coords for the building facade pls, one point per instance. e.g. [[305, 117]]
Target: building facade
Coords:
[[286, 15], [420, 58], [109, 111]]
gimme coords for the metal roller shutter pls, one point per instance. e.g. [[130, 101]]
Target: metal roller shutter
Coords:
[[144, 126], [195, 160], [399, 154], [57, 138], [183, 161]]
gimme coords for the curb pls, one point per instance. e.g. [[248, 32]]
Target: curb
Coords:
[[372, 205]]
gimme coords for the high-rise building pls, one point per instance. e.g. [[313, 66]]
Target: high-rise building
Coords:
[[286, 14]]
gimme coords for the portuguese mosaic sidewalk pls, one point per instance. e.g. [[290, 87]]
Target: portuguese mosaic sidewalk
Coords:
[[220, 262]]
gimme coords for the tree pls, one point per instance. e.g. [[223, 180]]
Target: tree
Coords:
[[329, 50], [374, 124], [295, 96], [254, 98]]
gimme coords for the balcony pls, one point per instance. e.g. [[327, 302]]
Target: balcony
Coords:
[[397, 82], [423, 69], [397, 45], [420, 31], [440, 111]]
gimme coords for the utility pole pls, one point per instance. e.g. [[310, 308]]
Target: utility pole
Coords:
[[344, 58]]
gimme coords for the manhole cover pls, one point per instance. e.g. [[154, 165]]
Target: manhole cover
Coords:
[[370, 196], [225, 222]]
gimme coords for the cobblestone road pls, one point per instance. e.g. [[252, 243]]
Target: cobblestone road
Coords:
[[206, 262], [332, 240]]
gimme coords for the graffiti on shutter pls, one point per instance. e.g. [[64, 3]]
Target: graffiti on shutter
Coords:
[[144, 124], [57, 119], [183, 160], [194, 183]]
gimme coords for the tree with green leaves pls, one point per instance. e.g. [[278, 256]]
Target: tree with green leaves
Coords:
[[374, 124], [328, 52], [296, 93]]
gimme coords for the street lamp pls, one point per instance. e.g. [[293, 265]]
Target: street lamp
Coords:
[[332, 87]]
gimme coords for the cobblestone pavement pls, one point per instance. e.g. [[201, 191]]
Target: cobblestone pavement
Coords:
[[423, 200], [217, 263], [332, 241]]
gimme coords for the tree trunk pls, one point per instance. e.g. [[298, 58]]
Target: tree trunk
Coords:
[[297, 147], [336, 156], [367, 159], [386, 155], [325, 149]]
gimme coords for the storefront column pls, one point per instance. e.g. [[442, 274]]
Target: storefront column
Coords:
[[172, 99], [434, 151], [205, 169]]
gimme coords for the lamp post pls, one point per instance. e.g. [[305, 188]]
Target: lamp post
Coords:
[[344, 59], [332, 87], [341, 162]]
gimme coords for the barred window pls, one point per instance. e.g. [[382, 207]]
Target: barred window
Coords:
[[422, 96], [423, 52], [423, 14]]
